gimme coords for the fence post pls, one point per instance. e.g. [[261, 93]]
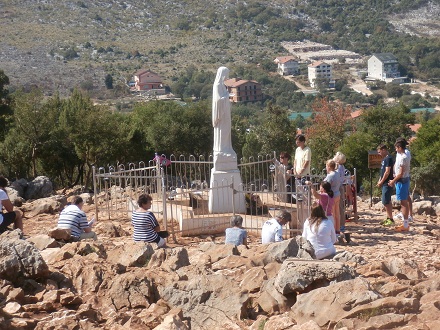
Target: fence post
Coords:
[[164, 198], [95, 195]]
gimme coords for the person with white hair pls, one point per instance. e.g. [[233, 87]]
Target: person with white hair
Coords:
[[236, 235], [340, 160]]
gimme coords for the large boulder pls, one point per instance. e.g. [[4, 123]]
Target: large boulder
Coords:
[[133, 254], [20, 259], [403, 269], [49, 205], [331, 303], [206, 300], [14, 197], [301, 276], [424, 207], [129, 290], [40, 187], [19, 186], [297, 247]]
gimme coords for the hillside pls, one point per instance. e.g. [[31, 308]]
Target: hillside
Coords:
[[58, 45]]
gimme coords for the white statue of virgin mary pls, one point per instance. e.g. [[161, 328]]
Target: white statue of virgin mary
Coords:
[[221, 114], [225, 170]]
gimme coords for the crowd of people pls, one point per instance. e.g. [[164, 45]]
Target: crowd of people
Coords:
[[326, 223], [323, 228]]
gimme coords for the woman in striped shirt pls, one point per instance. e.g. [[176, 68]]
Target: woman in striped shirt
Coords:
[[146, 228]]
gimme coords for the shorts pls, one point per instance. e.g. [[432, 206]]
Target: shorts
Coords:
[[8, 218], [402, 190], [386, 193], [159, 241]]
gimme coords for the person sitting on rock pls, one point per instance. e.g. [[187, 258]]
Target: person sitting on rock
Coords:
[[236, 234], [74, 218], [10, 216], [320, 232], [145, 226], [272, 230]]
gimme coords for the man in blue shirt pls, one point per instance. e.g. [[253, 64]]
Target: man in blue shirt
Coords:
[[386, 174]]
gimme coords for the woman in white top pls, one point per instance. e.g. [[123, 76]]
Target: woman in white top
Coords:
[[10, 216], [319, 231]]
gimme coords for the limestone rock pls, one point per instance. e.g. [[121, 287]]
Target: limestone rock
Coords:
[[273, 301], [112, 229], [43, 241], [347, 256], [423, 207], [15, 294], [12, 307], [60, 234], [280, 251], [173, 321], [69, 299], [218, 251], [334, 301], [50, 205], [430, 307], [20, 259], [205, 300], [403, 268], [301, 276], [40, 187], [279, 322], [253, 279], [19, 186], [15, 197], [132, 254], [128, 290]]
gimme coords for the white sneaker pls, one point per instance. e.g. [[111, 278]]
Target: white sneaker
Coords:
[[398, 216], [410, 219]]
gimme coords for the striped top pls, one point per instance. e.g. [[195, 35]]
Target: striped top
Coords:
[[143, 225], [73, 218]]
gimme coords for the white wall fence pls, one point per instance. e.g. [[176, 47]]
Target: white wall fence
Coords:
[[180, 194]]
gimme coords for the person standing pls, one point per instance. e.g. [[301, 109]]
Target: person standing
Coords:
[[386, 174], [401, 181], [335, 181], [10, 216], [284, 177], [272, 230], [399, 215], [340, 168], [74, 218], [236, 235], [303, 157]]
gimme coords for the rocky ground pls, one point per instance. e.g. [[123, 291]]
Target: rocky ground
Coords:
[[383, 280]]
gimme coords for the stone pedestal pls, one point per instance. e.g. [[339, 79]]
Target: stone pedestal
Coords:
[[223, 200]]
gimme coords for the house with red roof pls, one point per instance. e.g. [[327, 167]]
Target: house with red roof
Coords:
[[287, 65], [241, 90], [146, 80], [320, 70]]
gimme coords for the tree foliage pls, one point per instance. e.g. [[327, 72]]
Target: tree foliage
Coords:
[[387, 123], [331, 122], [168, 127], [425, 150]]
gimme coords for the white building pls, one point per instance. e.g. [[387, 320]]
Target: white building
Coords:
[[384, 66], [287, 65], [320, 70]]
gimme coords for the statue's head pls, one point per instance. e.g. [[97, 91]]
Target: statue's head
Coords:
[[222, 73]]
